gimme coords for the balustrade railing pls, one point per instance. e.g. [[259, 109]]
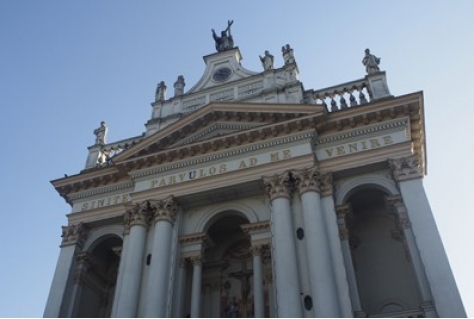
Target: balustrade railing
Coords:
[[342, 96]]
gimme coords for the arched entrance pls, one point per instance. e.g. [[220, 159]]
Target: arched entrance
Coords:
[[228, 269], [96, 277], [385, 278]]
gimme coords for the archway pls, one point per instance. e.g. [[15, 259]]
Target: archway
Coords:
[[385, 277], [97, 277]]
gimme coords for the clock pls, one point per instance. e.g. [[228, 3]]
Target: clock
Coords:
[[221, 74]]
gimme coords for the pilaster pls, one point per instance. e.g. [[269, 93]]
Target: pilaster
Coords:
[[405, 168]]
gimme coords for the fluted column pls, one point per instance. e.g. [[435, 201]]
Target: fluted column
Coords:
[[196, 261], [407, 171], [344, 213], [258, 301], [395, 204], [164, 214], [323, 285], [284, 250], [73, 237], [136, 221]]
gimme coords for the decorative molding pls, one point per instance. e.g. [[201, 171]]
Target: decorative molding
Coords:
[[395, 205], [405, 168], [164, 210], [220, 156], [277, 186], [196, 260], [326, 184], [137, 214], [306, 180], [367, 131], [74, 234], [258, 250], [255, 227], [344, 214], [102, 190]]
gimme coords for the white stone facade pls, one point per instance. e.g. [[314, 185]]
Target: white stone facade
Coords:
[[248, 196]]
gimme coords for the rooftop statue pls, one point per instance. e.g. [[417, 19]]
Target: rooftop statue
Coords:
[[100, 134], [160, 93], [225, 41], [371, 62], [179, 86], [288, 55], [267, 61]]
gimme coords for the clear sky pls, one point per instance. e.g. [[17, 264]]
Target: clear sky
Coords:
[[67, 65]]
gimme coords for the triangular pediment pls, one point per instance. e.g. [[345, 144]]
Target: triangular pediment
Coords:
[[213, 121]]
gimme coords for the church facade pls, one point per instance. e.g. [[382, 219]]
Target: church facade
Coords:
[[250, 196]]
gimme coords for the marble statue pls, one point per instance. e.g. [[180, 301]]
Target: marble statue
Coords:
[[267, 61], [288, 55], [371, 62], [225, 41], [160, 94], [100, 134], [179, 86]]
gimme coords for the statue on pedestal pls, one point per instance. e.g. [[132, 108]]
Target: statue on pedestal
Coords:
[[225, 41], [267, 61], [371, 62], [100, 134], [160, 93], [288, 55]]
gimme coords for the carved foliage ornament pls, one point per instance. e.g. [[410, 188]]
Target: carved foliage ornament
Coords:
[[74, 234], [307, 179], [165, 209], [137, 214], [405, 168], [277, 186]]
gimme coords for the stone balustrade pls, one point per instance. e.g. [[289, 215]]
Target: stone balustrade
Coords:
[[341, 96], [100, 155]]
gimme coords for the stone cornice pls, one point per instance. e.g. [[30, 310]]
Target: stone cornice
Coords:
[[364, 132], [102, 190], [238, 151]]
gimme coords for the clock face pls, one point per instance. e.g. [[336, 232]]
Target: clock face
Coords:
[[221, 74]]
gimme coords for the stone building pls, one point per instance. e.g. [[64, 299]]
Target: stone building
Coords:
[[250, 196]]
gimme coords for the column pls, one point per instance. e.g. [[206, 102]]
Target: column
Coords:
[[321, 276], [258, 301], [136, 221], [164, 214], [332, 230], [178, 302], [407, 171], [73, 237], [283, 247], [196, 261], [344, 213]]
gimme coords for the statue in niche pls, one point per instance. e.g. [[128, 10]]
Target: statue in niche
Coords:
[[100, 134], [160, 93], [267, 61], [179, 86], [232, 310], [288, 55], [225, 41], [371, 62]]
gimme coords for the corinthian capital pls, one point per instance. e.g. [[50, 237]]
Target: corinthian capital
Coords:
[[405, 168], [307, 180], [137, 214], [165, 209], [276, 186], [74, 234], [325, 184]]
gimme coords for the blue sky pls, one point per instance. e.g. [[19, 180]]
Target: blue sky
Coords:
[[67, 65]]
